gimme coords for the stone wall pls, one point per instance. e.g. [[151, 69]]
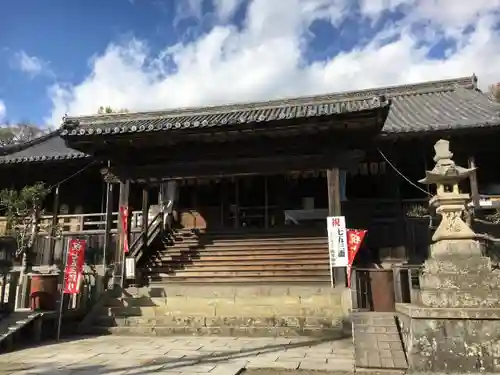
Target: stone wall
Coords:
[[451, 340], [240, 310]]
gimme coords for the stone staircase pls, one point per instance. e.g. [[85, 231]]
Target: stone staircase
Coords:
[[226, 310], [278, 256], [12, 326]]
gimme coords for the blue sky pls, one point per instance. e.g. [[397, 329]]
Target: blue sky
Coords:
[[61, 56]]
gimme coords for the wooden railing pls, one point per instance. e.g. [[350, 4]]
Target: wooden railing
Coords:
[[81, 223], [49, 250], [147, 236]]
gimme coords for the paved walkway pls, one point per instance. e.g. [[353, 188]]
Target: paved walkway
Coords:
[[378, 344], [179, 355]]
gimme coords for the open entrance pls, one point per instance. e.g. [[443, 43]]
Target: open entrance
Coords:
[[253, 201]]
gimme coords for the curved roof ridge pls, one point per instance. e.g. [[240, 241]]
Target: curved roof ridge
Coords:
[[48, 147], [469, 82]]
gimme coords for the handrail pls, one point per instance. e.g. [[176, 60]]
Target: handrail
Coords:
[[151, 231]]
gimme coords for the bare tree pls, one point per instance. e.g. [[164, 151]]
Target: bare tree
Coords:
[[20, 133], [495, 92]]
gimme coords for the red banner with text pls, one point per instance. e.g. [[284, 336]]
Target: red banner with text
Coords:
[[73, 271], [124, 223], [355, 238]]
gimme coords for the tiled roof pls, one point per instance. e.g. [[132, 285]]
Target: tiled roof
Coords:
[[422, 107], [46, 148], [217, 116], [453, 104]]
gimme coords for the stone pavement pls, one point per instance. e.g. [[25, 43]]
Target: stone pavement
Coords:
[[179, 355], [377, 341]]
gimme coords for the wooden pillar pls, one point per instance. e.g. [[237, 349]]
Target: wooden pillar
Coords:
[[53, 232], [334, 209], [145, 213], [108, 223], [266, 203], [122, 235], [224, 204], [333, 182]]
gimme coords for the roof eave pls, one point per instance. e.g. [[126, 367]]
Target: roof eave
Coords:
[[74, 130]]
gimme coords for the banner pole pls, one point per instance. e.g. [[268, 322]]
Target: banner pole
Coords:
[[61, 296], [332, 284]]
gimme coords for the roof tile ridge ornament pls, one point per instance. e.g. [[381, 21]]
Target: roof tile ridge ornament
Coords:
[[68, 123], [474, 82]]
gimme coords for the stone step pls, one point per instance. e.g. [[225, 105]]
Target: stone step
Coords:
[[253, 280], [473, 297], [220, 269], [234, 292], [250, 260], [221, 321], [266, 308], [458, 265], [263, 275], [274, 247], [246, 331], [447, 280], [249, 243]]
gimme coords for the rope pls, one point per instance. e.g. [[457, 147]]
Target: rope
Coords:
[[401, 174]]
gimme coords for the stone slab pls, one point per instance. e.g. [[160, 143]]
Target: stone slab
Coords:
[[415, 311], [450, 339], [377, 343], [179, 355]]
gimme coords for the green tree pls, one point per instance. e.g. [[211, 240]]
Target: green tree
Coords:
[[22, 209], [104, 110]]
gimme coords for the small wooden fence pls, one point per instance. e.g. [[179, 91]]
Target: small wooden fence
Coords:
[[379, 289]]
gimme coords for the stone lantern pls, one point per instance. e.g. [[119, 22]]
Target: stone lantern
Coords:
[[449, 202], [454, 325]]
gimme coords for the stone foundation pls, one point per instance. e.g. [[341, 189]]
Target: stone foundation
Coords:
[[449, 339], [228, 311]]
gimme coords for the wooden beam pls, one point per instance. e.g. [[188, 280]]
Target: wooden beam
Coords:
[[54, 229], [335, 209], [145, 213], [109, 222], [474, 189], [237, 166]]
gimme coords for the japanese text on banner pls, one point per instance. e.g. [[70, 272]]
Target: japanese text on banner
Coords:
[[73, 271], [355, 238], [337, 241]]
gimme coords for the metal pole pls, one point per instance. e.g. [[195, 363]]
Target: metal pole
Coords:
[[61, 295]]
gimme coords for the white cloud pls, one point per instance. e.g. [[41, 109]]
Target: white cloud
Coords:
[[266, 57], [31, 65], [225, 9], [3, 111]]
